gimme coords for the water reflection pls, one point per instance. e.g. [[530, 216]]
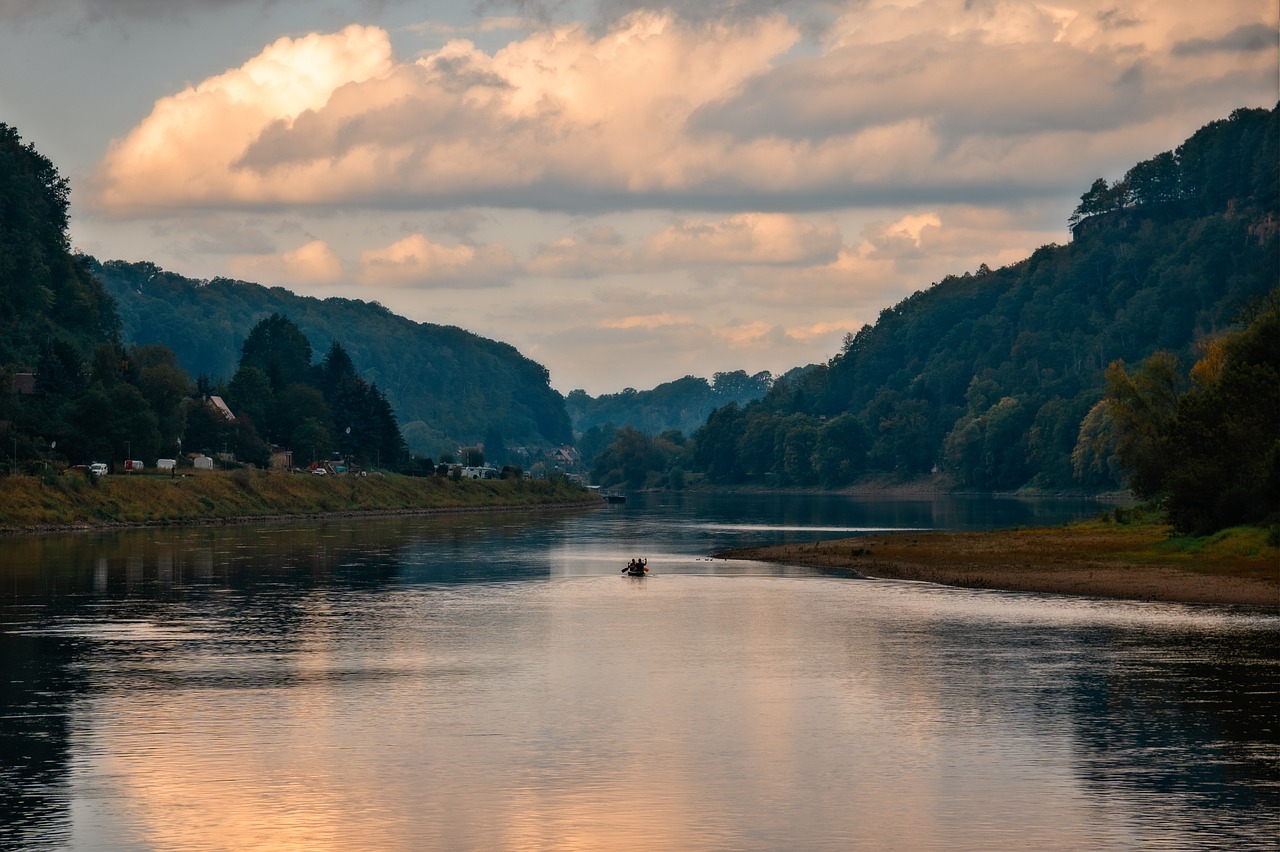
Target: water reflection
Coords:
[[486, 682]]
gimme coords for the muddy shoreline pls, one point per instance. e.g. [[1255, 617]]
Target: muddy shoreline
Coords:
[[1103, 563]]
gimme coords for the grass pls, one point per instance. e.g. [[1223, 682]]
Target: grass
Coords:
[[1129, 554], [72, 500]]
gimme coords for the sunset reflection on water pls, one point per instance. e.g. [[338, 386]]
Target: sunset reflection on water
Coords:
[[347, 688]]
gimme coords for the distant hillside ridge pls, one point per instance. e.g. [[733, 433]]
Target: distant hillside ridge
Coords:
[[984, 379], [449, 387], [682, 404]]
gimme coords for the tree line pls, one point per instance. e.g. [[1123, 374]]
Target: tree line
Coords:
[[1204, 443], [992, 380], [449, 387], [93, 398]]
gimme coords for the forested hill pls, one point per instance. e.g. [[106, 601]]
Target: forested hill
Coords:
[[987, 377], [682, 404], [49, 299], [448, 386]]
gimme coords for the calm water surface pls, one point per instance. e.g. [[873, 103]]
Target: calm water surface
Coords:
[[491, 682]]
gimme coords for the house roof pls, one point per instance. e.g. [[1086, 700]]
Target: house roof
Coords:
[[222, 407]]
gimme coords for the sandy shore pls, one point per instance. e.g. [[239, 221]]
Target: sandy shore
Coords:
[[1132, 564]]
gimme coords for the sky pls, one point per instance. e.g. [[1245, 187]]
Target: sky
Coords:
[[628, 192]]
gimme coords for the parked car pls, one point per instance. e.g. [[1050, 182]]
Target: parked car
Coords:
[[99, 469]]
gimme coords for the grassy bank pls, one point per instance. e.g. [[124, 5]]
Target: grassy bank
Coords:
[[1099, 558], [69, 501]]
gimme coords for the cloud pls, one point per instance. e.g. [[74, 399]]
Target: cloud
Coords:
[[589, 252], [648, 322], [483, 25], [821, 330], [218, 235], [901, 239], [417, 261], [746, 335], [937, 101], [103, 10], [748, 238], [185, 150], [1246, 38], [312, 263]]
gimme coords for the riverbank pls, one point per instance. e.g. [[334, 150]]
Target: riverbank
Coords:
[[73, 501], [1099, 558]]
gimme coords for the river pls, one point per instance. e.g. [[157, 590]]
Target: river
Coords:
[[492, 682]]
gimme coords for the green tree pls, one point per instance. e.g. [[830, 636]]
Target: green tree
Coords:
[[1143, 406], [250, 396], [1100, 198], [1155, 181], [46, 292], [207, 430], [841, 452], [1093, 459], [312, 439], [165, 386], [716, 445], [278, 348], [296, 403], [1225, 442]]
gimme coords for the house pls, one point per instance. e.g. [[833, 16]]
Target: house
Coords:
[[281, 459], [222, 408], [567, 456], [23, 383]]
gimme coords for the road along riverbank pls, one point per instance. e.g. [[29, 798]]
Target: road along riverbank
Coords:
[[1095, 559]]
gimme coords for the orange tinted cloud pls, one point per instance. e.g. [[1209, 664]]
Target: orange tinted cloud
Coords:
[[184, 152], [418, 261], [312, 263], [939, 98]]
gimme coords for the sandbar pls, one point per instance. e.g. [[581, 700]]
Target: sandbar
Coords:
[[1130, 564]]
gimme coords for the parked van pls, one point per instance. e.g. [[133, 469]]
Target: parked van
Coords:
[[99, 469]]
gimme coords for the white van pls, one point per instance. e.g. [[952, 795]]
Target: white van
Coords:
[[99, 469]]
